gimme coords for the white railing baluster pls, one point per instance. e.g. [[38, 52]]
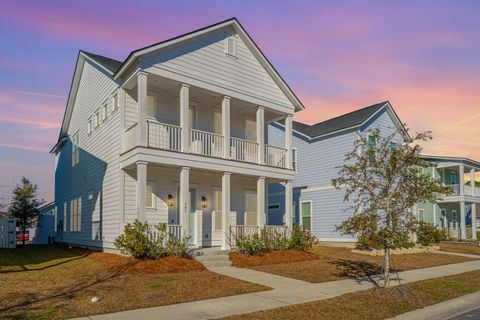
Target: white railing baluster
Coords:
[[164, 136], [206, 143], [275, 156], [244, 150]]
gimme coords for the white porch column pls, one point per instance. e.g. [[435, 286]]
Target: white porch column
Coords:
[[288, 204], [474, 221], [261, 202], [184, 201], [472, 181], [142, 108], [461, 173], [141, 190], [288, 140], [463, 223], [226, 126], [226, 211], [184, 117], [261, 134]]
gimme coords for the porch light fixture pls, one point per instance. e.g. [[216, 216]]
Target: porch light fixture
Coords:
[[170, 201], [204, 202]]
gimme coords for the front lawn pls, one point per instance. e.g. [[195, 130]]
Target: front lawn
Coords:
[[377, 303], [42, 282], [334, 263], [459, 247]]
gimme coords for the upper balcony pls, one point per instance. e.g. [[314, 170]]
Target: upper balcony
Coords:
[[160, 113], [458, 176]]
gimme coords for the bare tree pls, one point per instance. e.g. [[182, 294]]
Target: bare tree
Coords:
[[385, 180]]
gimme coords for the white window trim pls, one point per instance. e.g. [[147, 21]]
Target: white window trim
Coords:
[[104, 111], [421, 216], [114, 103], [232, 54], [301, 213], [295, 150]]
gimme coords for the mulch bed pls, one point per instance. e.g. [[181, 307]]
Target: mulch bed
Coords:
[[130, 265], [275, 257]]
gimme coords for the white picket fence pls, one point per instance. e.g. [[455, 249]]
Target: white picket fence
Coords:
[[8, 236]]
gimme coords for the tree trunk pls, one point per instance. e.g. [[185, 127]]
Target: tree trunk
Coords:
[[386, 267]]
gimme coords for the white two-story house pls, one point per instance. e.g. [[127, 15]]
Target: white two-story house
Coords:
[[174, 134]]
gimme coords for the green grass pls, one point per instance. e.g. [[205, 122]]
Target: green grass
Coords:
[[32, 257], [43, 314]]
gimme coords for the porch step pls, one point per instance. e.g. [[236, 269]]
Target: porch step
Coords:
[[212, 257]]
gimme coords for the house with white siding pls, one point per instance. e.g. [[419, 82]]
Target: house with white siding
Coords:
[[318, 151], [457, 211], [174, 134]]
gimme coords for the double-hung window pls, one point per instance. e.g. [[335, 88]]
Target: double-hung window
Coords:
[[306, 214], [294, 159], [104, 111], [114, 102], [392, 145], [76, 215]]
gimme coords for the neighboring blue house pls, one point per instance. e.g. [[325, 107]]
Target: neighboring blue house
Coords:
[[317, 152]]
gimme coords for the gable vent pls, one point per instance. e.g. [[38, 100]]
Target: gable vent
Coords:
[[230, 44]]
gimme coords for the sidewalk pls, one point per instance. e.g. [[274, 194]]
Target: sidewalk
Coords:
[[444, 310], [282, 296]]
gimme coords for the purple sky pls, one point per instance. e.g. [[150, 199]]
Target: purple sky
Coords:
[[337, 56]]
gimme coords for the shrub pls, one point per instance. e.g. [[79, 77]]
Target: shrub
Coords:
[[266, 241], [428, 234], [301, 239], [142, 241]]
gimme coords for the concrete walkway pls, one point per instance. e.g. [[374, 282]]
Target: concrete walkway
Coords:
[[444, 310], [267, 279], [282, 296]]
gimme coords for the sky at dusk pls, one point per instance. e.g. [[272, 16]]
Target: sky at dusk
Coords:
[[338, 56]]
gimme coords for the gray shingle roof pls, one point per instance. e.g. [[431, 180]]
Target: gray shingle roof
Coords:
[[108, 63], [348, 120]]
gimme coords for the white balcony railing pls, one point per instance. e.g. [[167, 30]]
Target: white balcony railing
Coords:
[[275, 156], [206, 143], [174, 230], [244, 150], [164, 136], [455, 189], [467, 190], [477, 192]]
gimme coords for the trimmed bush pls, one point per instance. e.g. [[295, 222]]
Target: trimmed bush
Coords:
[[138, 241], [428, 234], [265, 241]]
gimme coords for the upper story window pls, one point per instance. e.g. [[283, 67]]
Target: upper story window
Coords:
[[114, 102], [294, 159], [230, 46], [217, 122], [453, 177], [392, 145], [89, 126], [104, 111], [75, 149], [250, 129], [96, 120]]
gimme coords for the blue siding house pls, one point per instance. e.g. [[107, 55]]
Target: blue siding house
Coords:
[[318, 151]]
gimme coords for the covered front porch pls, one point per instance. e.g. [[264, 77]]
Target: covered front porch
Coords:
[[210, 207]]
